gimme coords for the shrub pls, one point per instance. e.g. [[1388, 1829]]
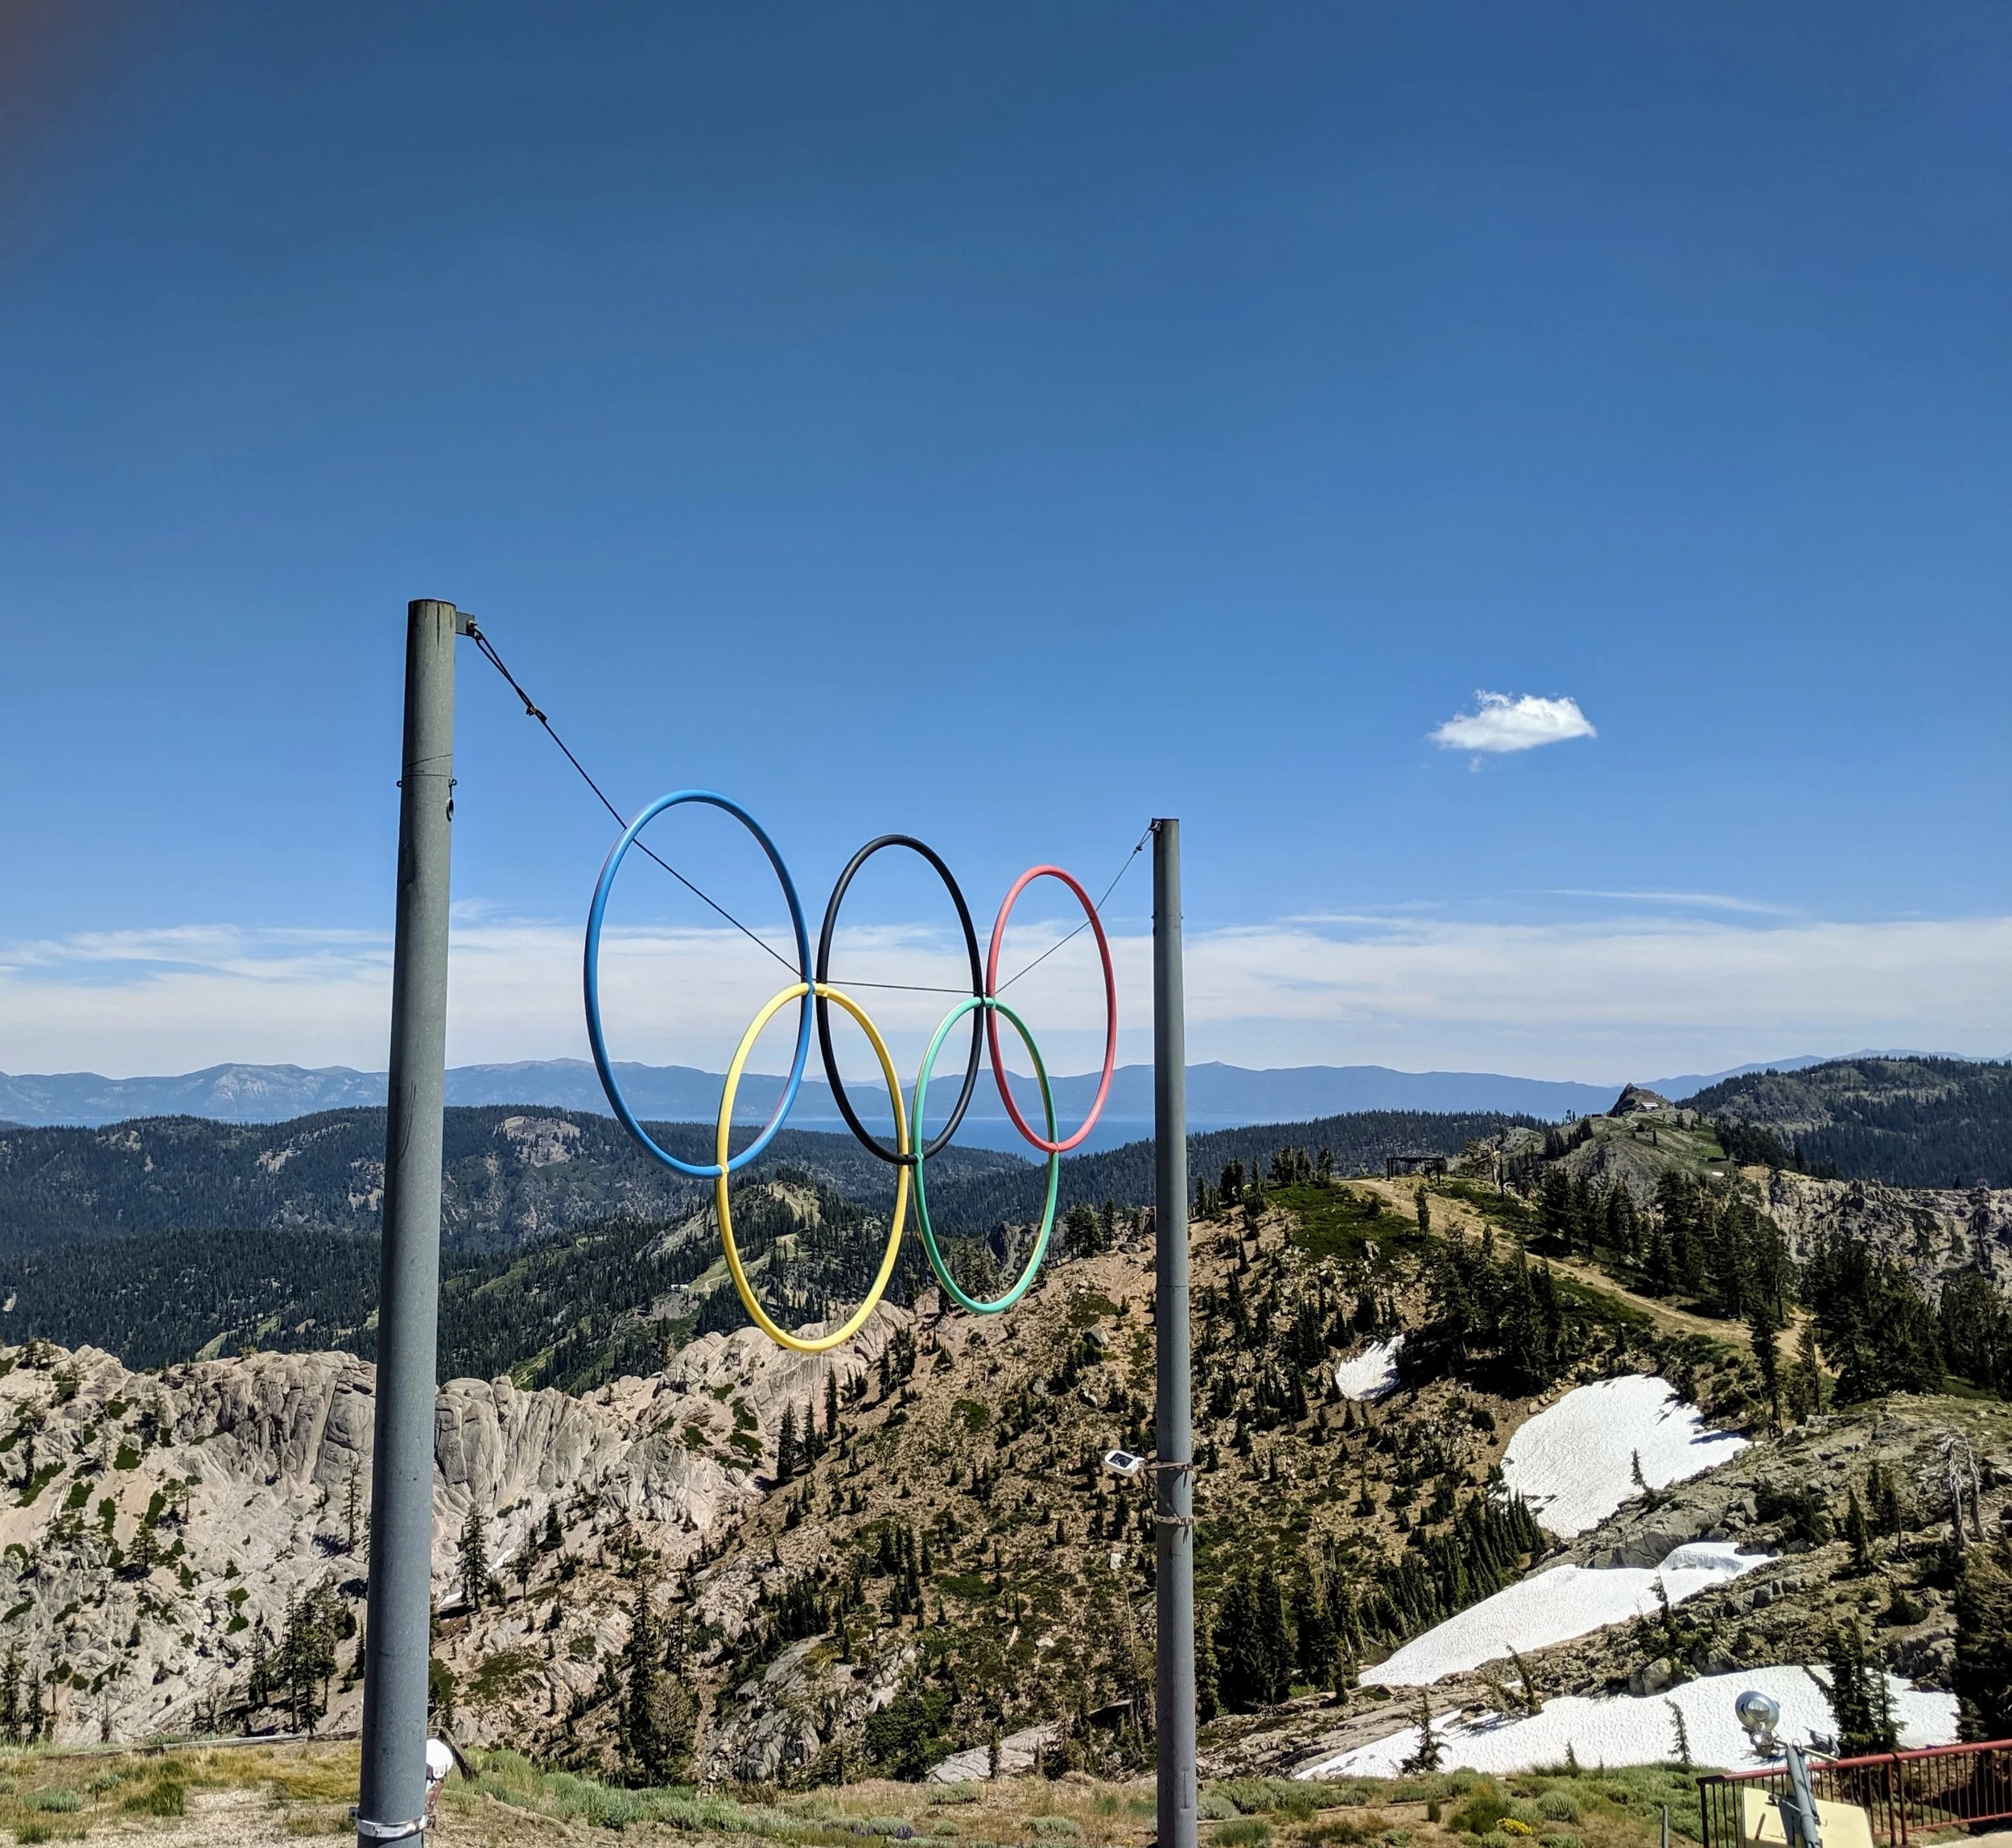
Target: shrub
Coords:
[[1213, 1807], [1336, 1832], [1246, 1832], [1058, 1828], [956, 1793], [59, 1801], [167, 1797], [1483, 1812], [34, 1832], [1559, 1805]]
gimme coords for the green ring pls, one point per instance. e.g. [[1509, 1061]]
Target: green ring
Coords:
[[1054, 1161]]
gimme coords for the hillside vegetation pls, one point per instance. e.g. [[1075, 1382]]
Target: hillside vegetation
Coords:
[[1909, 1122], [511, 1173]]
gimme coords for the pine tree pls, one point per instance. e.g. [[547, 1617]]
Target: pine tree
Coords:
[[1764, 1328], [1208, 1699], [1984, 1643], [352, 1498], [1426, 1759], [830, 1406], [786, 1447], [1860, 1701], [1681, 1742], [474, 1561], [644, 1748]]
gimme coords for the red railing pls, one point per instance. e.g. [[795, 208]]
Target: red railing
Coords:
[[1907, 1793]]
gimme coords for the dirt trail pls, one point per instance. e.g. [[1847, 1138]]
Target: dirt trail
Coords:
[[1449, 1211]]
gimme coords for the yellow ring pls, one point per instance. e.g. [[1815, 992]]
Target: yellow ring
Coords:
[[856, 1321]]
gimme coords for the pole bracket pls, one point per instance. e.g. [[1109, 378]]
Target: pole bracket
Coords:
[[390, 1831]]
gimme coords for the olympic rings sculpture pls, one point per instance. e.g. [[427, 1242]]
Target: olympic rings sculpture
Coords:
[[815, 996]]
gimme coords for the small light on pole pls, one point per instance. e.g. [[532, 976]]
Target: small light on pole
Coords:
[[1123, 1463], [1758, 1715]]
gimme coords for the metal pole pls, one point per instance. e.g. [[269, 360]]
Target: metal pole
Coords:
[[397, 1641], [1173, 1435]]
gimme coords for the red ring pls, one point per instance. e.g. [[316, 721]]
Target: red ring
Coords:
[[1111, 1008]]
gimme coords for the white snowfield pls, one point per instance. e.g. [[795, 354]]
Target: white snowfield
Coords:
[[1372, 1373], [1622, 1729], [1574, 1463], [1554, 1607]]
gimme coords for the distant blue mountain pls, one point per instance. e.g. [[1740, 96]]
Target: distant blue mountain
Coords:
[[1219, 1096]]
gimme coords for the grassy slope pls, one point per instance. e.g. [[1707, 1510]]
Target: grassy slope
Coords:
[[222, 1798]]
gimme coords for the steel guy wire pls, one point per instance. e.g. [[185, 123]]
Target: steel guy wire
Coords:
[[533, 709]]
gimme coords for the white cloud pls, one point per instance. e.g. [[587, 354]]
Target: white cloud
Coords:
[[1502, 723], [1611, 998]]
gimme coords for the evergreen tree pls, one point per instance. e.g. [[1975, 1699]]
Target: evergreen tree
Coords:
[[1860, 1700], [1878, 1329], [1208, 1700], [649, 1744], [1984, 1643], [786, 1447], [1428, 1757], [830, 1406], [1254, 1651], [473, 1559], [11, 1713], [1763, 1329], [352, 1502]]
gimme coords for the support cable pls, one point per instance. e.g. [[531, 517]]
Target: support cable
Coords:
[[533, 709]]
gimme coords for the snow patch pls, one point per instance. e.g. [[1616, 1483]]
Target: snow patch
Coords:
[[1554, 1607], [1372, 1373], [1574, 1461], [1623, 1729]]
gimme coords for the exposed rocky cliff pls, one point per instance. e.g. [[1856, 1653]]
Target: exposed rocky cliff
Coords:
[[160, 1528], [1930, 1230]]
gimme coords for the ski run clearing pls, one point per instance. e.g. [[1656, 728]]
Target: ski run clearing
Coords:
[[1555, 1606], [1625, 1729], [1575, 1463], [1372, 1373]]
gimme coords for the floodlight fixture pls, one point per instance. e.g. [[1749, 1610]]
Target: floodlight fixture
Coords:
[[1759, 1714]]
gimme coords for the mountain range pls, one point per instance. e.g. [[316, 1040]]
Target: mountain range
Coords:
[[1219, 1096]]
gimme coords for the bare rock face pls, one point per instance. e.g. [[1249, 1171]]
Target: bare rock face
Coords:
[[779, 1722], [1930, 1230], [160, 1528]]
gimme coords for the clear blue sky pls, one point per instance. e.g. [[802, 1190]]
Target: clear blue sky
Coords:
[[1006, 424]]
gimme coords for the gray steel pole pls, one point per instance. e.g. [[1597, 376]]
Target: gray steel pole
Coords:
[[1173, 1435], [397, 1639]]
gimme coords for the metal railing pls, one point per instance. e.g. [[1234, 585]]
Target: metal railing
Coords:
[[1908, 1794]]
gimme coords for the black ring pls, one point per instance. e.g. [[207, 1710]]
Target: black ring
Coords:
[[872, 1143]]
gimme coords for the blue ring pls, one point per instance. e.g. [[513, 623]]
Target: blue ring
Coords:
[[706, 1171]]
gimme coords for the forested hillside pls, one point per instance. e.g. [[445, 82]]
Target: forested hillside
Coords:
[[512, 1172], [1910, 1122], [509, 1173], [568, 1308], [1353, 1143]]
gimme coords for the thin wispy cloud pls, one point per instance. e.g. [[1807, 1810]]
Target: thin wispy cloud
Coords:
[[1521, 722], [1600, 998], [1685, 900]]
